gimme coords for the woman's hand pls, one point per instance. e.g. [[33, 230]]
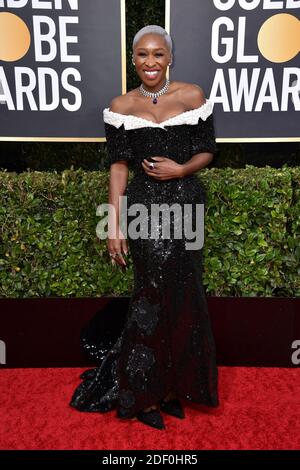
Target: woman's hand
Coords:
[[117, 248], [165, 168]]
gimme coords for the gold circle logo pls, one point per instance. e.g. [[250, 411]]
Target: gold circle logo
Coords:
[[14, 37], [279, 38]]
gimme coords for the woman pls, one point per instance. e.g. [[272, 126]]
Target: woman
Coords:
[[163, 131]]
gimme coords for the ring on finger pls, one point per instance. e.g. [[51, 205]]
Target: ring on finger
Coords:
[[113, 255]]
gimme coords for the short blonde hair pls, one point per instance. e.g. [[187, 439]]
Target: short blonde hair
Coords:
[[154, 29]]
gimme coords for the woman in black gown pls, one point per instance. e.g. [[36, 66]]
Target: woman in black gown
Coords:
[[166, 350]]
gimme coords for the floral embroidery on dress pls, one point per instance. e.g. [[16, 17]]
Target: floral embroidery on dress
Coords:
[[145, 315], [140, 358]]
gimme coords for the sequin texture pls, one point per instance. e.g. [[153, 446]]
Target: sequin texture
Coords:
[[145, 315], [167, 341], [140, 358]]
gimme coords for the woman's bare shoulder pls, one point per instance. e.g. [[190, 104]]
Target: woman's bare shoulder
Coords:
[[191, 94], [121, 103]]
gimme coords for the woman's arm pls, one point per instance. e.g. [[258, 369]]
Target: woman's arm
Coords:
[[118, 181], [201, 160]]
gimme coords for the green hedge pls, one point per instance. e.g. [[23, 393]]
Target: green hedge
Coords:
[[49, 245]]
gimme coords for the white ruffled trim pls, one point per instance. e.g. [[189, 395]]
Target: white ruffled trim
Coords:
[[134, 122]]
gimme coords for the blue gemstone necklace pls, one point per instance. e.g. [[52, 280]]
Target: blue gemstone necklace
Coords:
[[155, 95]]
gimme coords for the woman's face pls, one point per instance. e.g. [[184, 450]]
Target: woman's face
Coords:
[[151, 53]]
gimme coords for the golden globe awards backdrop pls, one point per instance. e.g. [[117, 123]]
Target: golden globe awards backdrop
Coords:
[[245, 54], [61, 61]]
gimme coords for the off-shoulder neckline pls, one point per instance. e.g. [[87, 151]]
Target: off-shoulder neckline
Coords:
[[131, 120]]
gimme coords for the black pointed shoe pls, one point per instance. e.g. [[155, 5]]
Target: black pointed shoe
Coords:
[[172, 407], [152, 418]]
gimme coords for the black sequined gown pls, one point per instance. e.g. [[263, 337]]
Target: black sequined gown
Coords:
[[167, 342]]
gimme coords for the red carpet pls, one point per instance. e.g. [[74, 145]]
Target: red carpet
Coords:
[[259, 409]]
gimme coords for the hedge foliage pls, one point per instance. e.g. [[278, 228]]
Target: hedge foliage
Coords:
[[49, 246]]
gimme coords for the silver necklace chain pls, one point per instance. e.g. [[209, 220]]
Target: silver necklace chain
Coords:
[[154, 95]]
